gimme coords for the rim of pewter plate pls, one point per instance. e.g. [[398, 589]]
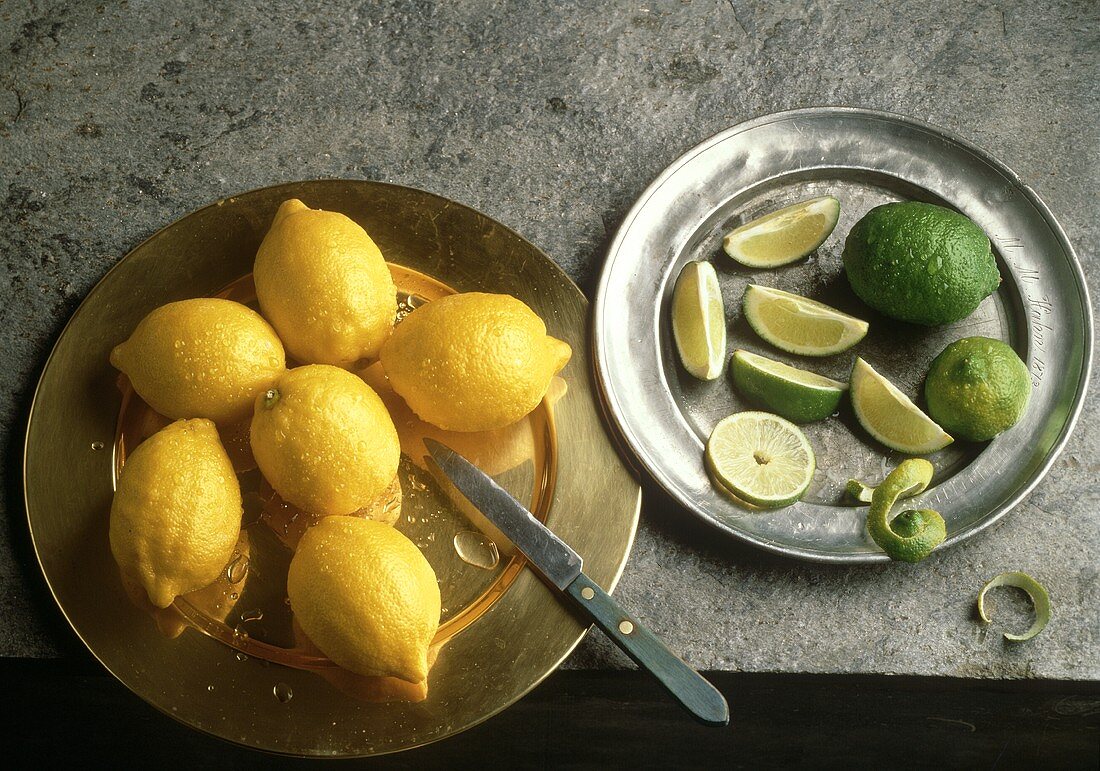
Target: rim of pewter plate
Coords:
[[629, 365]]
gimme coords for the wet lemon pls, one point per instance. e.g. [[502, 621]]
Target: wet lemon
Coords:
[[472, 362], [494, 452], [176, 514], [201, 358], [365, 595], [324, 441], [324, 286], [216, 600]]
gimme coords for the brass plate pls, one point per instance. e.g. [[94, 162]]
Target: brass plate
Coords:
[[506, 632]]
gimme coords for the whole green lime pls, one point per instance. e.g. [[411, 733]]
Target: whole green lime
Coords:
[[919, 262], [977, 387]]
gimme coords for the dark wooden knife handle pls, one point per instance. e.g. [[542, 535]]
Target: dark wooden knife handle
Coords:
[[698, 696]]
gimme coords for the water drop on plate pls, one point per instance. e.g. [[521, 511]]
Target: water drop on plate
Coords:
[[477, 549], [237, 569], [283, 692]]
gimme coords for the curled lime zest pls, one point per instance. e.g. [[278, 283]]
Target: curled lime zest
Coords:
[[914, 533], [1040, 600], [910, 522], [859, 492]]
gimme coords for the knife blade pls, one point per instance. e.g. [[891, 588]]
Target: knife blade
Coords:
[[562, 567], [558, 563]]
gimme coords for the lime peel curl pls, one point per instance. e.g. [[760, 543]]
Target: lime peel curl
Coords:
[[858, 491], [919, 530], [1040, 600]]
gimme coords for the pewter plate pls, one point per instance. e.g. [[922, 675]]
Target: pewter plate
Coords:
[[863, 158]]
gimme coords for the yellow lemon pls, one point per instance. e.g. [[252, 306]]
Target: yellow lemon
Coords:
[[176, 514], [494, 452], [472, 362], [201, 358], [215, 600], [324, 441], [324, 286], [365, 595]]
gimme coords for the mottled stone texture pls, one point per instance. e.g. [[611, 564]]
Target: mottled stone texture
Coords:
[[117, 118]]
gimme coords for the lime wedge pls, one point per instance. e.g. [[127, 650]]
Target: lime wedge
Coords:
[[797, 324], [699, 320], [785, 235], [890, 416], [794, 393], [760, 458]]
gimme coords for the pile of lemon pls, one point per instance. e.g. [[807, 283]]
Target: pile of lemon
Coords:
[[322, 438]]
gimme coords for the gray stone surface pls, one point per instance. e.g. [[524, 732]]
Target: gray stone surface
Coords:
[[117, 118]]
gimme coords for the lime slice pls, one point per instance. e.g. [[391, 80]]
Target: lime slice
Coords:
[[760, 458], [799, 325], [1040, 600], [785, 235], [890, 416], [794, 393], [699, 321]]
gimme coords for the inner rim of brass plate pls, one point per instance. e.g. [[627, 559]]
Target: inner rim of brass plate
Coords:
[[247, 608]]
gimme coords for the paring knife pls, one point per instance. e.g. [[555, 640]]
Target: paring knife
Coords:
[[561, 566]]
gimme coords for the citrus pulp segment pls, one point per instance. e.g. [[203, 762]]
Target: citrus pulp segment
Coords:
[[890, 416], [699, 320], [783, 236], [799, 325], [795, 394]]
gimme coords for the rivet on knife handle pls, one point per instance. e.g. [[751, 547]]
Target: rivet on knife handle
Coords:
[[698, 696]]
